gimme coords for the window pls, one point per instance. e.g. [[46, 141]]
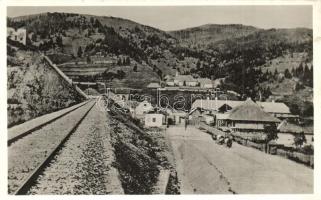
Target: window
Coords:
[[154, 119]]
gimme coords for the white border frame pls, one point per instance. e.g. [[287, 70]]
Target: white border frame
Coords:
[[317, 88]]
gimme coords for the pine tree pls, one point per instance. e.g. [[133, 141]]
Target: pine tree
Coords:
[[198, 65], [127, 61], [88, 59], [79, 52], [276, 72], [287, 74], [119, 62]]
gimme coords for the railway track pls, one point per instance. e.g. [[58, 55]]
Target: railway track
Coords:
[[22, 130], [32, 152], [84, 164]]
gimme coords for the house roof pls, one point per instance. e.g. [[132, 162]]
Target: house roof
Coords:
[[169, 78], [153, 85], [250, 111], [214, 104], [274, 107], [218, 81], [222, 115], [193, 110], [184, 78], [204, 81]]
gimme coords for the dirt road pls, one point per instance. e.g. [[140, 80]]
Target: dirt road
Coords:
[[207, 168]]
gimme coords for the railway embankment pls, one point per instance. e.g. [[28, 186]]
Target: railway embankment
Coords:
[[143, 158]]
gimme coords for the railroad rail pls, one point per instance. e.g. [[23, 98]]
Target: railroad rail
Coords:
[[17, 132], [26, 183]]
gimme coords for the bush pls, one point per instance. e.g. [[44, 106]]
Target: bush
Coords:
[[307, 149]]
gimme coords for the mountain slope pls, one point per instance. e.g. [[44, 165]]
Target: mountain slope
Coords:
[[233, 52], [204, 35]]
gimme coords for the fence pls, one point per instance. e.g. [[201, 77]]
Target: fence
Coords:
[[68, 80], [274, 149], [296, 156]]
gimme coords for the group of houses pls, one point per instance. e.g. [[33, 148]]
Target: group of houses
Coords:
[[236, 116], [186, 81], [148, 114], [240, 116]]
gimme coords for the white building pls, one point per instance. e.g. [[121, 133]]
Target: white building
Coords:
[[154, 120], [169, 80], [205, 83], [209, 119], [153, 85], [19, 35], [143, 108], [185, 80]]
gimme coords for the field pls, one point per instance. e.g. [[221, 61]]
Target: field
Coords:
[[139, 79], [74, 70]]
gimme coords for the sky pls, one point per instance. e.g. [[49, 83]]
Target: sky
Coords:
[[179, 17]]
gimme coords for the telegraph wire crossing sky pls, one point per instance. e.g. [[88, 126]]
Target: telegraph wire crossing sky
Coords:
[[179, 17]]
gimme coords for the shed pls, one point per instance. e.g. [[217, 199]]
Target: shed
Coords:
[[154, 120]]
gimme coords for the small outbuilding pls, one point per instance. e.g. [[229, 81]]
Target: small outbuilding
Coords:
[[154, 120]]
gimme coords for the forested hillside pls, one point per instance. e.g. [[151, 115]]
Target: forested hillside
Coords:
[[245, 56]]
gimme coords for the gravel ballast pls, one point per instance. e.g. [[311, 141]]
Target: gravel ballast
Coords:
[[27, 153], [84, 165]]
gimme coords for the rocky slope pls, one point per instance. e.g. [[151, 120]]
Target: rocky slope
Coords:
[[35, 89]]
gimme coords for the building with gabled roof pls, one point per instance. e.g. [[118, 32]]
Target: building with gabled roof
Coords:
[[277, 109], [249, 116], [215, 105]]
